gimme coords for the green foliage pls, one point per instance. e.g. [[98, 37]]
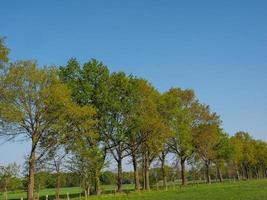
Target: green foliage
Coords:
[[8, 177], [4, 51], [89, 113], [88, 87], [107, 178]]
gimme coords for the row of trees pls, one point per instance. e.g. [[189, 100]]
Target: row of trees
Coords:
[[12, 180], [80, 115]]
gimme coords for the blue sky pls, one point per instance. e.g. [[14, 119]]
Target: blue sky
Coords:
[[218, 48]]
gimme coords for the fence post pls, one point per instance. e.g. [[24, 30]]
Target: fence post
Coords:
[[68, 198], [46, 197]]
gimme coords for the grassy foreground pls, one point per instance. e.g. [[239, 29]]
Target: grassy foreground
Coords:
[[73, 191], [243, 190]]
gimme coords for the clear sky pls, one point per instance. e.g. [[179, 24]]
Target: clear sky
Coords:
[[218, 48]]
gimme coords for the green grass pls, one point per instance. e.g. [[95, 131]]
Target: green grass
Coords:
[[50, 192], [63, 191], [243, 190]]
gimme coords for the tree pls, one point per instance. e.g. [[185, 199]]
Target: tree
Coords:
[[118, 126], [223, 152], [182, 120], [206, 140], [107, 178], [236, 155], [87, 163], [153, 131], [53, 162], [248, 153], [32, 103], [4, 51], [6, 174], [260, 167], [89, 86], [135, 115]]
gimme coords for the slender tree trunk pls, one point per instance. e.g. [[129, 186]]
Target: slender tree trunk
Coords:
[[88, 190], [119, 175], [237, 173], [146, 171], [147, 184], [85, 194], [58, 185], [163, 171], [97, 185], [31, 176], [136, 175], [208, 179], [183, 171], [247, 172], [219, 174], [6, 192]]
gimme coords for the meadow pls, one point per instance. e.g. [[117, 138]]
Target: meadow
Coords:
[[242, 190]]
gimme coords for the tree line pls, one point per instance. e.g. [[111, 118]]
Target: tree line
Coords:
[[77, 116]]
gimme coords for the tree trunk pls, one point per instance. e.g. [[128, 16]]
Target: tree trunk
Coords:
[[6, 192], [237, 174], [163, 171], [85, 194], [183, 171], [147, 184], [146, 171], [119, 175], [88, 190], [136, 175], [247, 172], [58, 185], [219, 174], [97, 185], [208, 172], [31, 176]]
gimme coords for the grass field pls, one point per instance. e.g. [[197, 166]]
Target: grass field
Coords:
[[73, 191], [243, 190]]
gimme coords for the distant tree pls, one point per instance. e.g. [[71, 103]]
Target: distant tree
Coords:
[[223, 153], [107, 178], [206, 140], [32, 102], [4, 51], [44, 179], [7, 173], [53, 161], [260, 167], [248, 153], [236, 155]]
